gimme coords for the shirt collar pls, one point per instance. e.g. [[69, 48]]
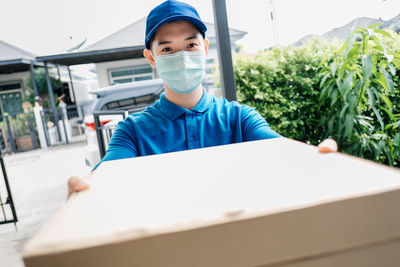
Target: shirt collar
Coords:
[[173, 111]]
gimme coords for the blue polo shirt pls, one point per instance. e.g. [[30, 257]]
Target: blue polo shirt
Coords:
[[166, 127]]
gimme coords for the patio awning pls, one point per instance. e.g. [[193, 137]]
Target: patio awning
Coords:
[[16, 65], [95, 56]]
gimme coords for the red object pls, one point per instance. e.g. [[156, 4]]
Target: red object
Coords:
[[91, 126]]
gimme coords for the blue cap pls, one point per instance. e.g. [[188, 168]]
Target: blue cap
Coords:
[[170, 11]]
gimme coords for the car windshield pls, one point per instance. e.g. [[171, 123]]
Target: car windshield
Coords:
[[130, 103]]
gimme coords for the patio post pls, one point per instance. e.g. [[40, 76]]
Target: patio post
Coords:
[[35, 90], [58, 72], [72, 84], [224, 50], [53, 105]]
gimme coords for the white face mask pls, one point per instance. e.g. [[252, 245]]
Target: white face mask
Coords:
[[182, 71]]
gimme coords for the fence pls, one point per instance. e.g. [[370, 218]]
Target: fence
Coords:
[[63, 125], [105, 131], [8, 213], [18, 133]]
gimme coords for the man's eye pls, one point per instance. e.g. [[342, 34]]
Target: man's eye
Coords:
[[166, 49], [191, 45]]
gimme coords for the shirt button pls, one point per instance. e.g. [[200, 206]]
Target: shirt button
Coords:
[[192, 139], [190, 116]]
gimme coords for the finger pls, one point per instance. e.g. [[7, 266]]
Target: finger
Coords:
[[76, 184], [327, 146]]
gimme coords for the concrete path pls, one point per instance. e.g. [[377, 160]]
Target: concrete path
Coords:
[[38, 181]]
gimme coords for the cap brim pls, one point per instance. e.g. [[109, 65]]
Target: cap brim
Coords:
[[198, 23]]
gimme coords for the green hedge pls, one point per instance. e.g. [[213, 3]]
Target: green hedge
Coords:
[[348, 91]]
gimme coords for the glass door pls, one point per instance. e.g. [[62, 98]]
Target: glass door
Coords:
[[11, 103]]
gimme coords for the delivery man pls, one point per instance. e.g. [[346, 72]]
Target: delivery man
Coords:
[[185, 117]]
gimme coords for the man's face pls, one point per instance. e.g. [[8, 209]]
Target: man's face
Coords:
[[173, 37]]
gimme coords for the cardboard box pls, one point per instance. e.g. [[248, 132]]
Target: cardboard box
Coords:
[[266, 203]]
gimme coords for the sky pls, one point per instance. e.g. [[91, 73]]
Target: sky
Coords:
[[47, 27]]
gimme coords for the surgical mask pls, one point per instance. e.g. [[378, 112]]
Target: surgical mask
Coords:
[[182, 71]]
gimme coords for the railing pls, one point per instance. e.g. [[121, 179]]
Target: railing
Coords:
[[18, 133], [104, 132], [9, 215], [64, 126]]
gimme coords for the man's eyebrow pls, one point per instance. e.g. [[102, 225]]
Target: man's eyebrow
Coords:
[[168, 42], [191, 37], [164, 42]]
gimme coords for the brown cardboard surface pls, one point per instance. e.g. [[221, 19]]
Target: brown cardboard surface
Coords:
[[272, 202]]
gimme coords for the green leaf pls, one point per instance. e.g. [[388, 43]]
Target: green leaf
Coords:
[[396, 125], [366, 62], [388, 79], [346, 85], [385, 33], [341, 114], [378, 116], [334, 98], [324, 79], [378, 43], [380, 79], [352, 100], [357, 87], [374, 25], [392, 69], [325, 91], [349, 123], [396, 140], [389, 155], [379, 147], [396, 62], [371, 98], [389, 113], [386, 100], [330, 125], [333, 68], [365, 123]]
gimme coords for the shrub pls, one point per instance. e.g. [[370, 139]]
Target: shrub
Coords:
[[355, 98], [346, 91], [41, 83]]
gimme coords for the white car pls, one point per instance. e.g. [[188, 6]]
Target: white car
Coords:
[[124, 99]]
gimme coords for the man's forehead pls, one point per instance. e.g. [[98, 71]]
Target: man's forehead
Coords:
[[176, 28]]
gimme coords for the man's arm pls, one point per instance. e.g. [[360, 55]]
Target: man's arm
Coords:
[[254, 126], [122, 145]]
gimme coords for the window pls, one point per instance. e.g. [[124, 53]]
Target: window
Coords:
[[131, 102], [131, 74], [10, 86]]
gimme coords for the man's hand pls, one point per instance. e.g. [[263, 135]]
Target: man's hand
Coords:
[[327, 146], [76, 184]]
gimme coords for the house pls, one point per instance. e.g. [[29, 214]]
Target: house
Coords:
[[16, 67], [341, 33], [14, 71], [136, 69]]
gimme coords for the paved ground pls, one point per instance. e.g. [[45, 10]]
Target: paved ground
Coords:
[[38, 181]]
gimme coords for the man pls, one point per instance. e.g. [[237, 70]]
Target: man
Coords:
[[185, 117]]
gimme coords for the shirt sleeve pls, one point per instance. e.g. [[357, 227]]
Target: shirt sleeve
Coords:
[[254, 126], [122, 144]]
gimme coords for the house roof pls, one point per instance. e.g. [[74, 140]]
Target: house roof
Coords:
[[393, 23], [14, 59], [133, 35], [94, 56], [344, 31], [9, 52], [126, 43]]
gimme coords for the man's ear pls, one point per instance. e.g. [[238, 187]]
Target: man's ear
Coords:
[[149, 56], [206, 43]]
